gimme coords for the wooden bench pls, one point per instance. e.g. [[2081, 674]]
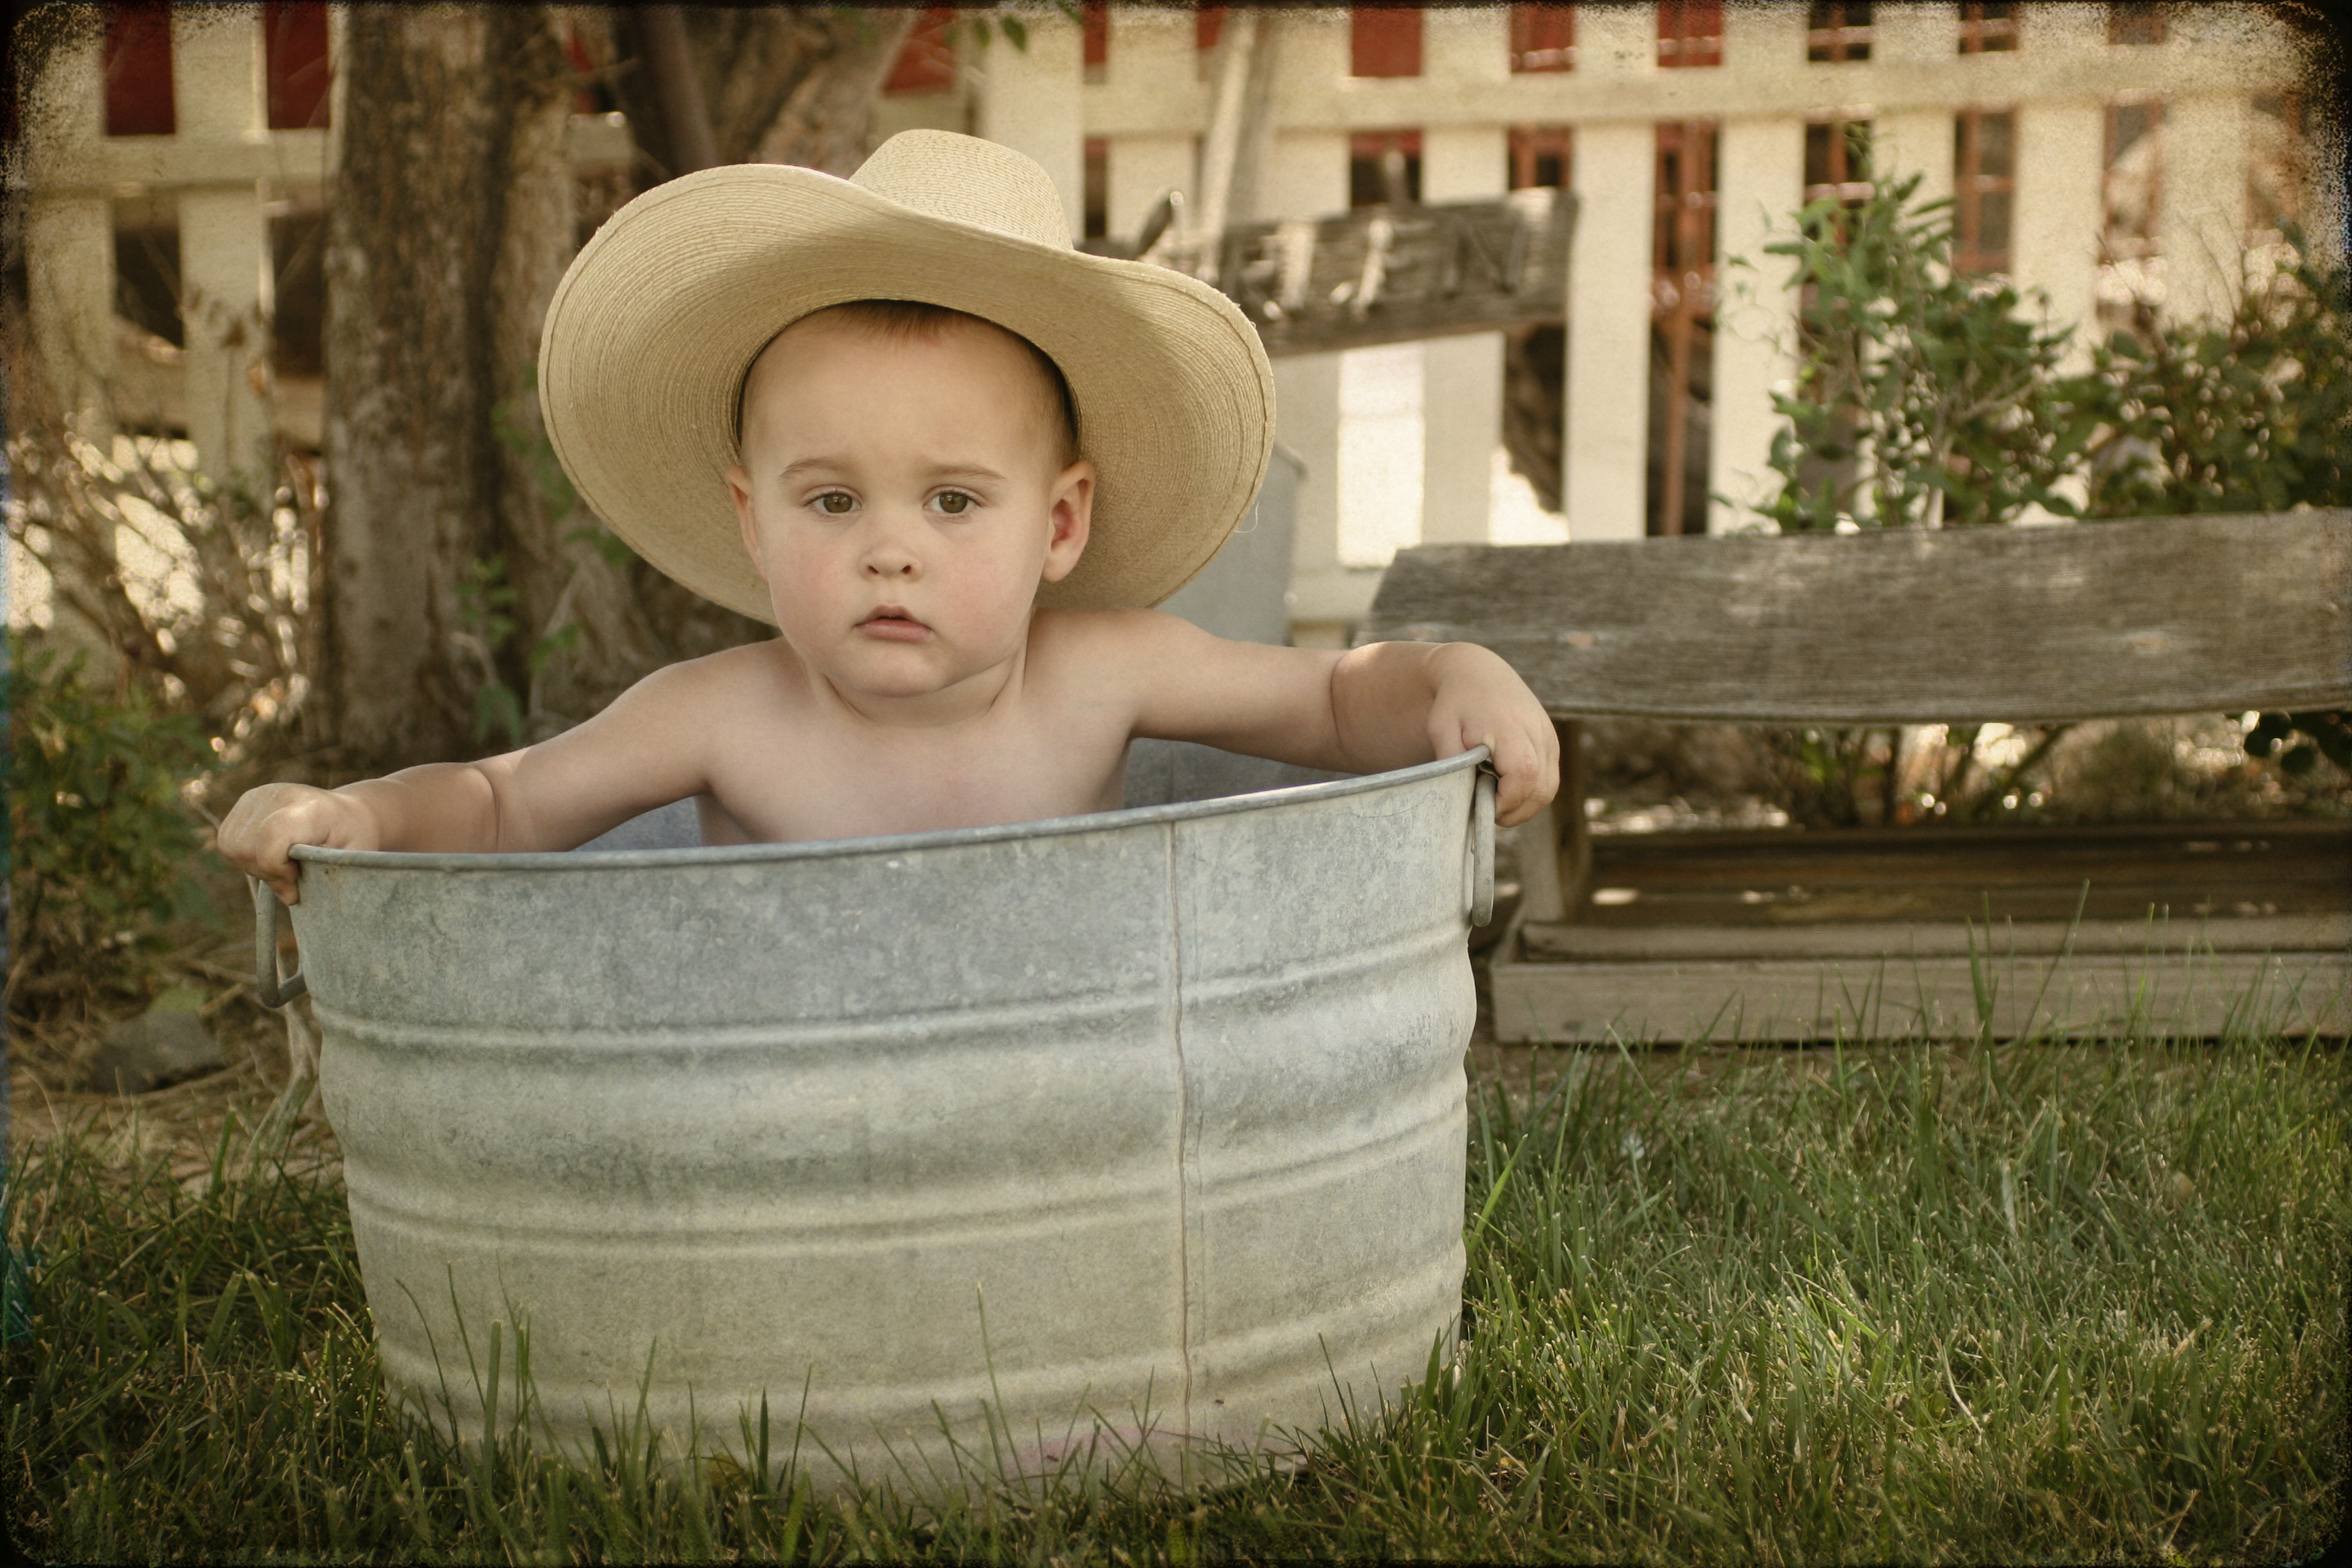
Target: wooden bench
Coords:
[[1930, 930]]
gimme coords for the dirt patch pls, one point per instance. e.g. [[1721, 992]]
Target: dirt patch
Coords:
[[51, 1092], [183, 1125]]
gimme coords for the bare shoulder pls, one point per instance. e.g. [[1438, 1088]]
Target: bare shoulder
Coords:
[[1100, 639], [1160, 652], [1125, 657], [1180, 683], [751, 672], [675, 709], [660, 740]]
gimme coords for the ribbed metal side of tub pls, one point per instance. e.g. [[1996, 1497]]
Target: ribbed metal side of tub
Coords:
[[1159, 1118]]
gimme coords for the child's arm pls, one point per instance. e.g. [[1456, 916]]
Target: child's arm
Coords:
[[1390, 705], [643, 751], [1420, 700]]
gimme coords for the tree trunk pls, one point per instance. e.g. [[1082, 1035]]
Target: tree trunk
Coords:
[[463, 583], [825, 123], [777, 84], [450, 225]]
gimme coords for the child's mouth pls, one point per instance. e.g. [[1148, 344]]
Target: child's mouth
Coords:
[[894, 624]]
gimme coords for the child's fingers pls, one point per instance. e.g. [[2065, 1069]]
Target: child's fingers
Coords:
[[289, 890], [278, 868], [1527, 775], [269, 859], [1525, 756], [259, 833]]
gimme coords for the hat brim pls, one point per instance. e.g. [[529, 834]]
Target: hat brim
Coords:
[[652, 329]]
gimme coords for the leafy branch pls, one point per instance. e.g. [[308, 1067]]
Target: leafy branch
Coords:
[[1923, 398]]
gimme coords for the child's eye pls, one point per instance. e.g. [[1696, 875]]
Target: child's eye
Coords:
[[955, 503], [836, 503]]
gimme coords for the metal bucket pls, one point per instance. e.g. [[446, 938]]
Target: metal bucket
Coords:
[[959, 1148]]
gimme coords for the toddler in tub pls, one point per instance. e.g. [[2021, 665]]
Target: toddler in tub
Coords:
[[951, 459]]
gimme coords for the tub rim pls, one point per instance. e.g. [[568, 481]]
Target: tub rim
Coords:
[[829, 848]]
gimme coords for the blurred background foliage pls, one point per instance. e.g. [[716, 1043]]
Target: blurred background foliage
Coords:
[[176, 671], [105, 846], [1922, 397]]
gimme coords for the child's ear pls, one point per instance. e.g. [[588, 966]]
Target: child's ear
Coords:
[[738, 490], [1073, 516]]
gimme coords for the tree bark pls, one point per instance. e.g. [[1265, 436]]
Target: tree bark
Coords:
[[824, 122], [454, 217], [777, 84], [450, 225], [669, 67]]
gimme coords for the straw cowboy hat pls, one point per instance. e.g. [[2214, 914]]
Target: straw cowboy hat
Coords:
[[658, 319]]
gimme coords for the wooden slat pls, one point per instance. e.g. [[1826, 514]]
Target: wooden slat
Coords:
[[1813, 999], [1648, 881], [1392, 274], [1896, 902], [2152, 615], [2315, 848], [1796, 874], [1541, 893], [1898, 942], [2298, 835], [1787, 935], [1556, 843]]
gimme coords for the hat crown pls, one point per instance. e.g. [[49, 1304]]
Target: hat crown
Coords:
[[969, 180]]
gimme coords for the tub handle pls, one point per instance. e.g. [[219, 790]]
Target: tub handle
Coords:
[[1482, 848], [267, 913]]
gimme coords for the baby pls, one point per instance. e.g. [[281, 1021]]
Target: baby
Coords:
[[953, 489]]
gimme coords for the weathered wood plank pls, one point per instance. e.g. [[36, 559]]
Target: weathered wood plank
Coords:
[[1649, 881], [1556, 843], [1897, 942], [2296, 992], [2151, 615], [1796, 879], [2296, 835], [1824, 870], [1391, 274], [1804, 861], [1541, 891], [1896, 902]]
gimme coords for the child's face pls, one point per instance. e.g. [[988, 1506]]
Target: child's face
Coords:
[[903, 499]]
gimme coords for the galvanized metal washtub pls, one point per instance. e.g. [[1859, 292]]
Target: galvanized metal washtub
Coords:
[[1147, 1125]]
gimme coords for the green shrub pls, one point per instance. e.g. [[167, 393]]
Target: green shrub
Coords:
[[1923, 396], [103, 845], [2248, 413]]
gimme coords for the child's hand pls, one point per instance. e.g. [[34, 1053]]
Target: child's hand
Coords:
[[1481, 702], [268, 822]]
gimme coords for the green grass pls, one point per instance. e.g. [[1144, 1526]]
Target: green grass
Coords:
[[2025, 1304]]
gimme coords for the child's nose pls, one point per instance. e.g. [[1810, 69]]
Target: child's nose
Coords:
[[890, 555]]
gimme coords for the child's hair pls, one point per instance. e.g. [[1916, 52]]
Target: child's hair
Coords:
[[901, 320]]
